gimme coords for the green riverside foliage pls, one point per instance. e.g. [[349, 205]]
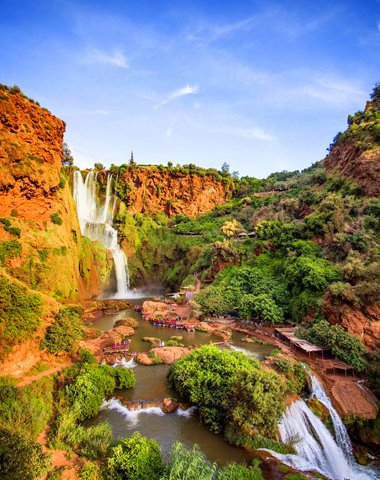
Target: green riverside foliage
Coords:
[[205, 377], [64, 333], [87, 383], [240, 472], [20, 313], [26, 410], [256, 401], [188, 464], [20, 457], [294, 372], [89, 388], [345, 346], [135, 458]]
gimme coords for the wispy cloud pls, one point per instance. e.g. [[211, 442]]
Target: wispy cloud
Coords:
[[94, 113], [213, 32], [181, 92], [116, 58]]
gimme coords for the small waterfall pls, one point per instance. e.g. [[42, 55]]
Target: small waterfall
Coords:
[[132, 416], [96, 223], [316, 448], [341, 434]]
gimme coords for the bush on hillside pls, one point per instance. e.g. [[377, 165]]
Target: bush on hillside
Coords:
[[20, 312], [64, 333], [20, 457], [185, 463], [345, 346], [135, 458], [56, 218]]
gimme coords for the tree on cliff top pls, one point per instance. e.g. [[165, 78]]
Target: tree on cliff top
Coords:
[[67, 157]]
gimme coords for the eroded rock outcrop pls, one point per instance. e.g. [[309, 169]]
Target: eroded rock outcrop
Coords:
[[152, 190], [364, 323], [35, 199], [356, 153]]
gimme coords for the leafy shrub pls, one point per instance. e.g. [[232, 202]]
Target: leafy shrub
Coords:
[[64, 333], [20, 312], [205, 376], [26, 410], [89, 388], [241, 438], [9, 249], [125, 377], [135, 458], [345, 346], [188, 464], [260, 306], [20, 457], [91, 471], [56, 218], [234, 471], [256, 401]]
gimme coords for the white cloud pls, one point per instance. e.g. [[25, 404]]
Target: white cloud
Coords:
[[117, 58], [94, 113], [181, 92]]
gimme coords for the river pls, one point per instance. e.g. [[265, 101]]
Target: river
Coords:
[[151, 385]]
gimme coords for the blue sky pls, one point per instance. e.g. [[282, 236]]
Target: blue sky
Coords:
[[261, 85]]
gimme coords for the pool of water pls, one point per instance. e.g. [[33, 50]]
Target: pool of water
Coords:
[[146, 329], [151, 385]]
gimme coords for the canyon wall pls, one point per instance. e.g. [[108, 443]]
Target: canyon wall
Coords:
[[172, 191], [38, 214], [356, 153]]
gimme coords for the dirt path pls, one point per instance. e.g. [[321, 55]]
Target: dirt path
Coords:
[[28, 380]]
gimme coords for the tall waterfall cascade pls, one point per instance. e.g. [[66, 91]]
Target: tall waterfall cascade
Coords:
[[316, 448], [95, 222]]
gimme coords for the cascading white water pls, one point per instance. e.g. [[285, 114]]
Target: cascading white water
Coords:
[[316, 448], [341, 434], [96, 223]]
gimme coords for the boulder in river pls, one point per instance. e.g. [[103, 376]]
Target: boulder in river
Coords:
[[127, 322], [169, 355]]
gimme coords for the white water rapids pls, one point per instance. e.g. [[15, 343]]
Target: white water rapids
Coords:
[[132, 416], [316, 448], [95, 222]]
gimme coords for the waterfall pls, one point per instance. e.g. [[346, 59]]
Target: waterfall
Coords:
[[315, 446], [96, 223]]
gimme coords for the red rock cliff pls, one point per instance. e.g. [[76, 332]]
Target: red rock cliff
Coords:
[[54, 258], [356, 155], [171, 192], [30, 157]]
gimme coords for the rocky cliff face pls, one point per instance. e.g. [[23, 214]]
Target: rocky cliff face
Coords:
[[356, 153], [363, 323], [36, 206], [150, 190], [30, 157]]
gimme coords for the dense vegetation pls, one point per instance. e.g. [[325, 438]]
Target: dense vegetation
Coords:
[[20, 314], [230, 389], [64, 333]]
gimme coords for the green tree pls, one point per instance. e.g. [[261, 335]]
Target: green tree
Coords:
[[64, 333], [67, 157], [260, 306], [345, 346], [205, 377], [234, 471], [99, 166], [225, 168], [21, 458], [188, 464], [257, 401], [135, 458]]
